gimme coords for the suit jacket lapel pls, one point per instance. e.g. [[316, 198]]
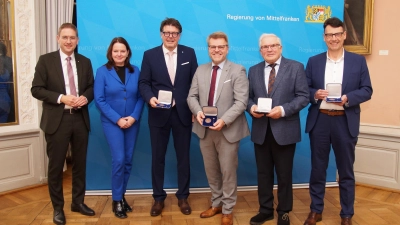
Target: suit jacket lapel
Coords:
[[128, 75], [163, 65], [114, 74], [260, 77], [59, 71], [222, 78], [320, 74], [346, 67], [179, 60], [279, 75], [207, 82], [79, 71]]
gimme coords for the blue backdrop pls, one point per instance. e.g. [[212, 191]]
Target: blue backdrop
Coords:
[[298, 23]]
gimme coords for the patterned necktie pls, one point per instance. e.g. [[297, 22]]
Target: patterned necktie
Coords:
[[271, 79], [72, 87], [212, 86], [171, 70]]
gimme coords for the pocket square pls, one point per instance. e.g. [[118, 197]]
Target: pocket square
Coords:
[[185, 63], [227, 81]]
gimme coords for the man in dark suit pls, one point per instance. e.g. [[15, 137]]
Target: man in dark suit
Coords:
[[335, 124], [63, 80], [224, 85], [169, 67], [275, 133]]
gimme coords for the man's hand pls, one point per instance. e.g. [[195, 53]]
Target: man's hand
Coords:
[[80, 101], [153, 102], [344, 100], [218, 125], [69, 100], [275, 113], [321, 94], [200, 116], [254, 108]]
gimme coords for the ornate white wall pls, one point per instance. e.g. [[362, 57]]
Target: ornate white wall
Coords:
[[22, 155]]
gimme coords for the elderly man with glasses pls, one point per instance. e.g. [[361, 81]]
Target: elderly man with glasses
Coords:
[[278, 91]]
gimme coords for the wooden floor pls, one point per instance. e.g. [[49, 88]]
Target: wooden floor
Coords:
[[32, 206]]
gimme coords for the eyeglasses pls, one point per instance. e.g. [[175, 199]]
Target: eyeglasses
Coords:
[[337, 35], [169, 34], [66, 38], [272, 47], [216, 47]]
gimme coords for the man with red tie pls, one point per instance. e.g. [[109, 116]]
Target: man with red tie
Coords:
[[282, 81], [223, 85]]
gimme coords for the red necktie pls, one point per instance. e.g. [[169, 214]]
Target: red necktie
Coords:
[[271, 78], [212, 86], [72, 87]]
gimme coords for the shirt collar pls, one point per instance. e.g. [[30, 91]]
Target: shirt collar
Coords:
[[64, 56], [221, 65], [278, 62], [339, 60], [165, 50]]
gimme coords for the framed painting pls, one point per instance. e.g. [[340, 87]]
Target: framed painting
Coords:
[[358, 17], [8, 90]]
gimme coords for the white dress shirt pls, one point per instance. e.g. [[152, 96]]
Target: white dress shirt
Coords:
[[333, 74]]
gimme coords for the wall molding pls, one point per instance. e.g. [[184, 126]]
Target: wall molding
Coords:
[[22, 151], [19, 159], [378, 156]]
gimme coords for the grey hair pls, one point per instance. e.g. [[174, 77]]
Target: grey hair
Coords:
[[268, 35]]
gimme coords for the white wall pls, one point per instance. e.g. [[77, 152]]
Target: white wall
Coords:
[[22, 153]]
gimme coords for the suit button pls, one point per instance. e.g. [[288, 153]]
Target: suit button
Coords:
[[124, 98]]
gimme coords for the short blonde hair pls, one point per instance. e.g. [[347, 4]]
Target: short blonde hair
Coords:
[[217, 35], [67, 25]]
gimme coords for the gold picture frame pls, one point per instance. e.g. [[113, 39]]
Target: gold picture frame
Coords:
[[8, 87], [358, 24]]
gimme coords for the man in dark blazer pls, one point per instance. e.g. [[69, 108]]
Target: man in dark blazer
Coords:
[[169, 67], [275, 133], [337, 124], [63, 80]]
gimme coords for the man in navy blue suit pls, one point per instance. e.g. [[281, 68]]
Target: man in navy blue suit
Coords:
[[169, 67], [335, 124]]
